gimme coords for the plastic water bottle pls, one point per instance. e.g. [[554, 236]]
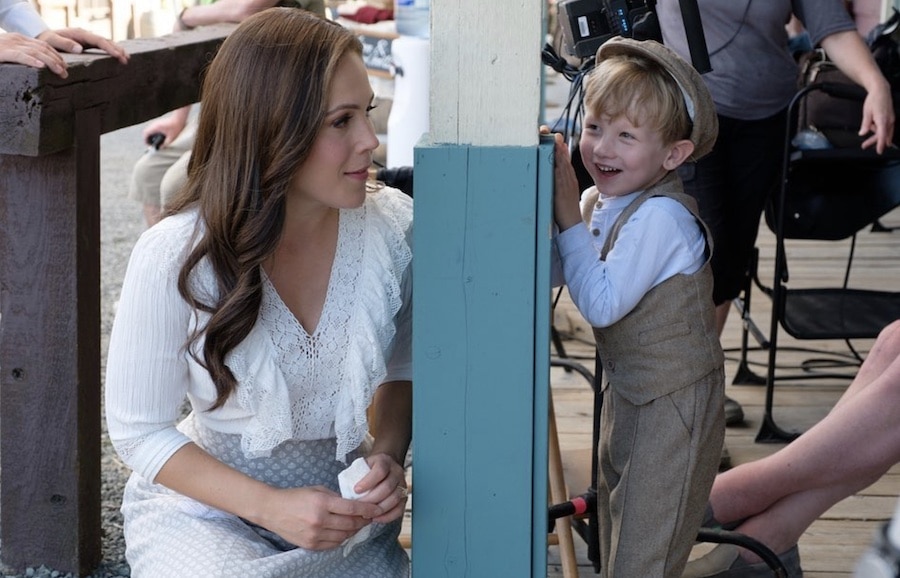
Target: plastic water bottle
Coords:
[[413, 17], [810, 139], [409, 116]]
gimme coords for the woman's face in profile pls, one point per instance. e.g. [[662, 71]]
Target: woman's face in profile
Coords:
[[336, 171]]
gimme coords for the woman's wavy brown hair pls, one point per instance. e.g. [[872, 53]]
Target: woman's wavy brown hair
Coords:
[[264, 99]]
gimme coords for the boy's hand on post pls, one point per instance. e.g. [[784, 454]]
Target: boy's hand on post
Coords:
[[566, 193]]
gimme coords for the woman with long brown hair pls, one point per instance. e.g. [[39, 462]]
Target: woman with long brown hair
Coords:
[[275, 299]]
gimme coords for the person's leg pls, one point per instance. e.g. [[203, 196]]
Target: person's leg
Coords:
[[176, 177], [731, 186], [174, 180], [707, 181], [779, 496], [607, 480], [150, 170], [145, 178], [722, 310], [659, 464], [880, 361], [752, 167]]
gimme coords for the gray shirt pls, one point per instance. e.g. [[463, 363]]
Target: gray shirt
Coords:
[[753, 74]]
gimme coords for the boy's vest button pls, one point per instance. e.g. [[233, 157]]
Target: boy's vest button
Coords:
[[596, 232]]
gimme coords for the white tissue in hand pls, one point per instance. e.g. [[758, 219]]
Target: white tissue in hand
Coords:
[[346, 480]]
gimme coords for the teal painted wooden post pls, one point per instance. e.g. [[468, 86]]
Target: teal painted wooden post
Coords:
[[481, 360]]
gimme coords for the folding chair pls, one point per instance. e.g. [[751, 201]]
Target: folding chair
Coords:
[[827, 194]]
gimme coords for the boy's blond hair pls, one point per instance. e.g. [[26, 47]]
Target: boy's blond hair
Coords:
[[641, 90]]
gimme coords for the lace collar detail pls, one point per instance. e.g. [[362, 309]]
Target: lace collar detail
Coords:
[[363, 298]]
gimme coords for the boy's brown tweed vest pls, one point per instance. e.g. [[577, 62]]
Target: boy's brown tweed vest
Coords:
[[669, 340]]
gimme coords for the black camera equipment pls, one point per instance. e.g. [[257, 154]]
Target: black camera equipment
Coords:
[[586, 24]]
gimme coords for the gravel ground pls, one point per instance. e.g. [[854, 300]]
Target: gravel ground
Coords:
[[122, 222]]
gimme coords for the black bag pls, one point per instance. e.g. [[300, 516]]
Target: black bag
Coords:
[[838, 114]]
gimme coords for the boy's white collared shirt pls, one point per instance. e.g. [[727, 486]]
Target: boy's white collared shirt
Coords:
[[662, 239]]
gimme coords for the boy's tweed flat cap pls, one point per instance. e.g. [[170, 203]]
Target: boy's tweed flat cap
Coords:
[[697, 98]]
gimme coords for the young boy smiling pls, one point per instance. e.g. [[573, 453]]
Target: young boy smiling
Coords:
[[639, 273]]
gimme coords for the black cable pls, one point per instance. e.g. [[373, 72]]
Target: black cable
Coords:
[[816, 367], [720, 536], [551, 58]]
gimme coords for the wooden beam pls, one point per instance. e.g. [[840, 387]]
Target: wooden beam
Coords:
[[481, 352], [486, 72], [50, 356], [37, 108], [50, 430], [482, 298]]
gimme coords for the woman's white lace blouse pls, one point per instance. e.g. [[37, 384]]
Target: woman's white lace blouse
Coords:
[[291, 385]]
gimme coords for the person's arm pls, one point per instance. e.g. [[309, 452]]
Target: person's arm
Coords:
[[392, 424], [314, 518], [657, 242], [392, 420], [169, 125], [221, 11], [565, 198], [202, 15], [598, 288], [391, 407], [851, 55], [30, 41]]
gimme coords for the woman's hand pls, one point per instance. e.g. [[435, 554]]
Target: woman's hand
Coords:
[[315, 518], [386, 487]]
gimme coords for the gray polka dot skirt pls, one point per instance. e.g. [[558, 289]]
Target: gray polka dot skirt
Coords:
[[168, 535]]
